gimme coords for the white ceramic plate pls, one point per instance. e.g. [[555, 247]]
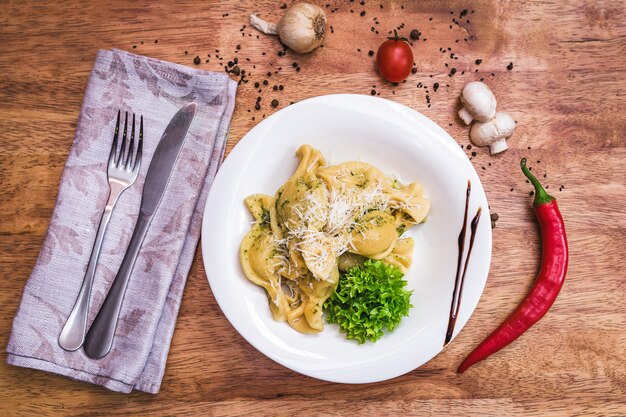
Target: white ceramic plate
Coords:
[[399, 141]]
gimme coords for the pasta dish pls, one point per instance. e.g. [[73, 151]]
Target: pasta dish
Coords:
[[324, 220]]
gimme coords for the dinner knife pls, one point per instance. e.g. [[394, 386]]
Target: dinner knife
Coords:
[[100, 336]]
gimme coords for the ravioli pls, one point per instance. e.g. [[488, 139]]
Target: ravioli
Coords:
[[323, 220]]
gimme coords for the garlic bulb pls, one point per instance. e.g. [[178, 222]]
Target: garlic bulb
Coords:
[[302, 27]]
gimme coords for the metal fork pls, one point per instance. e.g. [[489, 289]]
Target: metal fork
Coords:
[[122, 172]]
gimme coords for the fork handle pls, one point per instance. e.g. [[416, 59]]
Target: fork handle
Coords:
[[73, 334], [100, 336]]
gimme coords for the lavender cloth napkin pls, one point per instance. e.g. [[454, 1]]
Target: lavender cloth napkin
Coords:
[[157, 90]]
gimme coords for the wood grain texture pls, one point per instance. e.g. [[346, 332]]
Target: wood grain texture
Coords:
[[566, 90]]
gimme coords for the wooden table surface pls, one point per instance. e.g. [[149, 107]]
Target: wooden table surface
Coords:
[[566, 90]]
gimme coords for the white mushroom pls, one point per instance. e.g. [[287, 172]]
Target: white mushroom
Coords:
[[493, 133], [478, 101]]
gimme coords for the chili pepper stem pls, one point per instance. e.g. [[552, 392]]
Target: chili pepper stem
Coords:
[[541, 196]]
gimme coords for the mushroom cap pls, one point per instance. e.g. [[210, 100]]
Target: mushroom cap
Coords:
[[478, 99], [500, 127]]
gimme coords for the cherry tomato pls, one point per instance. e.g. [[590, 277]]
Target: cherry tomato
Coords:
[[394, 59]]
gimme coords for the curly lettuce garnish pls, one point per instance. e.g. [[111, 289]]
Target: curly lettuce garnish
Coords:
[[369, 299]]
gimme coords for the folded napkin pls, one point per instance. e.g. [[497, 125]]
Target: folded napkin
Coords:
[[157, 90]]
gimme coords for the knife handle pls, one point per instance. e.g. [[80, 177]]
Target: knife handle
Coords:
[[99, 338]]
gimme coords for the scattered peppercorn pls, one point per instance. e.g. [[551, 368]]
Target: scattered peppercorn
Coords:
[[265, 82], [256, 85], [274, 103], [510, 66], [436, 86], [362, 13], [373, 92], [284, 6], [494, 217], [371, 53], [257, 106], [197, 60], [236, 70], [415, 34], [413, 70], [473, 152], [478, 61]]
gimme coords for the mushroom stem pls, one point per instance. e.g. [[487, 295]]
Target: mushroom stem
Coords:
[[498, 146], [466, 116]]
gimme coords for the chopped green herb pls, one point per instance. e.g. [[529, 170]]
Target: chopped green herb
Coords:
[[265, 218]]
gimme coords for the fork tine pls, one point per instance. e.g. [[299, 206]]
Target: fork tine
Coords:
[[114, 146], [139, 147], [120, 156], [129, 157]]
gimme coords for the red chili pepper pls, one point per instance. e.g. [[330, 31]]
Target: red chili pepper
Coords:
[[547, 284]]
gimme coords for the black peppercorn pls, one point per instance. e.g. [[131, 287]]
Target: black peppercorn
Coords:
[[257, 106], [265, 82], [478, 61], [236, 70], [371, 53], [197, 60], [274, 103], [415, 34], [510, 66], [256, 85]]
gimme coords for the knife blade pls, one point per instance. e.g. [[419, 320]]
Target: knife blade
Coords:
[[165, 157], [99, 339]]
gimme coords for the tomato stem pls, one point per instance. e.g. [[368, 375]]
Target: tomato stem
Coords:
[[395, 37]]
